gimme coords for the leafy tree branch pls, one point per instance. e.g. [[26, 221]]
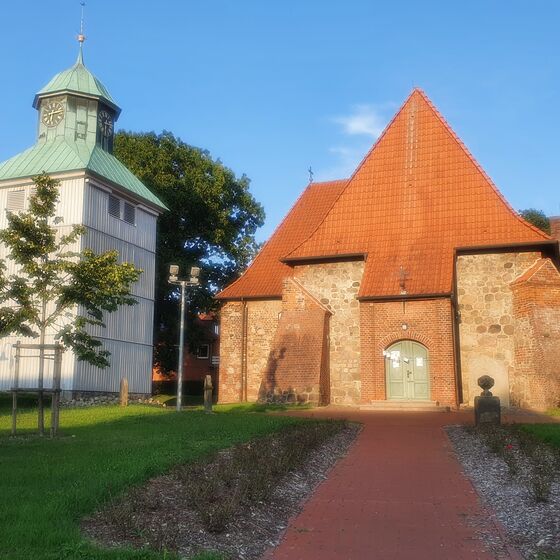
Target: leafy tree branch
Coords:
[[57, 289]]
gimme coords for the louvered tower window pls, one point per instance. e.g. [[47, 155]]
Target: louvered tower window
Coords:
[[122, 210], [129, 213], [114, 207], [16, 201]]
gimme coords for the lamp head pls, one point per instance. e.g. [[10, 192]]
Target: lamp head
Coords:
[[173, 272]]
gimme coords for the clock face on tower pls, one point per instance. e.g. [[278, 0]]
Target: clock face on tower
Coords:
[[105, 123], [52, 113]]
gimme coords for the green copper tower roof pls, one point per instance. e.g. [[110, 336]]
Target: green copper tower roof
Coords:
[[62, 148], [78, 80], [61, 156]]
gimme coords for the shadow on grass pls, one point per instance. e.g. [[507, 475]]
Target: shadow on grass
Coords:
[[47, 486], [261, 407]]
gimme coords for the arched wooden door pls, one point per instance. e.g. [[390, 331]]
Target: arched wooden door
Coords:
[[407, 371]]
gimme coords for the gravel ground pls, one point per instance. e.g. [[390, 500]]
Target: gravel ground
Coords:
[[176, 526], [532, 528]]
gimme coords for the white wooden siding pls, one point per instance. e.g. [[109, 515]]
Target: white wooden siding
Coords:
[[70, 203], [132, 323], [96, 216], [133, 361], [141, 258], [129, 331], [29, 366]]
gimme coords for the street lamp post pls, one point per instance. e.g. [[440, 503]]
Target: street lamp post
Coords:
[[184, 284]]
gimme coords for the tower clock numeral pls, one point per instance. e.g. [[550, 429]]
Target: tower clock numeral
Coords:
[[52, 113], [105, 123]]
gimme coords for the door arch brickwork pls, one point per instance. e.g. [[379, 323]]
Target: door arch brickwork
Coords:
[[428, 322]]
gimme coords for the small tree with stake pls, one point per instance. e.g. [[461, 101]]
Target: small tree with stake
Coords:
[[58, 290]]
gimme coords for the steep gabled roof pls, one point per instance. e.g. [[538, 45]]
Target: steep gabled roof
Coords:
[[416, 197], [264, 276]]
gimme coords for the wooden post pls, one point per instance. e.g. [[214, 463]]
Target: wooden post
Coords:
[[15, 388], [124, 392], [55, 403], [208, 393]]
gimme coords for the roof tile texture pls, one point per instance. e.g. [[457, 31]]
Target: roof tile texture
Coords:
[[265, 275], [416, 196]]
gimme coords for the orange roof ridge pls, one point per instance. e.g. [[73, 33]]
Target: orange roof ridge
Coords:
[[362, 162], [479, 167]]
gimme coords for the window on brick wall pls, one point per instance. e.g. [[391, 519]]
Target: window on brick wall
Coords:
[[203, 352]]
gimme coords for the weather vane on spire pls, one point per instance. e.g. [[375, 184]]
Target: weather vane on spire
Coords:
[[310, 171], [81, 36]]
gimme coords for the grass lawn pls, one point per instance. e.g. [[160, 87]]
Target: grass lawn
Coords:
[[549, 433], [47, 486]]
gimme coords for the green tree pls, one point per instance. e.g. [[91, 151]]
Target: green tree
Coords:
[[211, 223], [52, 280], [536, 217]]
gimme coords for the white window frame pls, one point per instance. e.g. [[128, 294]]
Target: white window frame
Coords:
[[207, 346]]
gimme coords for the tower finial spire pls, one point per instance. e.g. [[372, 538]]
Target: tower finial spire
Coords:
[[81, 37]]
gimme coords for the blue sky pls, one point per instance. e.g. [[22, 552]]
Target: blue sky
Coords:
[[273, 87]]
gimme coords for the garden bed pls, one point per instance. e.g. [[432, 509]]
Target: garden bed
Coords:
[[238, 502], [518, 477]]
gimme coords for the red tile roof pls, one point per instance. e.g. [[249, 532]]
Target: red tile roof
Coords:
[[264, 276], [416, 196]]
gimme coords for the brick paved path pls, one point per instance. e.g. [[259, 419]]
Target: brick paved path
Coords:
[[399, 494]]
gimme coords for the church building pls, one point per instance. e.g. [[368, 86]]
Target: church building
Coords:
[[76, 120], [399, 286]]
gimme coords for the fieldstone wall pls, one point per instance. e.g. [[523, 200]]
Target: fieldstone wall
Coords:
[[336, 286], [487, 323], [99, 398]]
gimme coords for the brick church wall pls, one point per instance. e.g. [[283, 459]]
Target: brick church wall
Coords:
[[428, 322], [535, 382], [261, 325], [555, 227], [298, 364], [336, 286], [487, 323]]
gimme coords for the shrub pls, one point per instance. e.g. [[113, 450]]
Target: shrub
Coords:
[[218, 488]]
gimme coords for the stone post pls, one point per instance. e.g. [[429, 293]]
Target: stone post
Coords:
[[208, 393], [486, 407], [124, 392]]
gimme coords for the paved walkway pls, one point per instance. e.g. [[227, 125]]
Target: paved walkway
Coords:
[[399, 494]]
